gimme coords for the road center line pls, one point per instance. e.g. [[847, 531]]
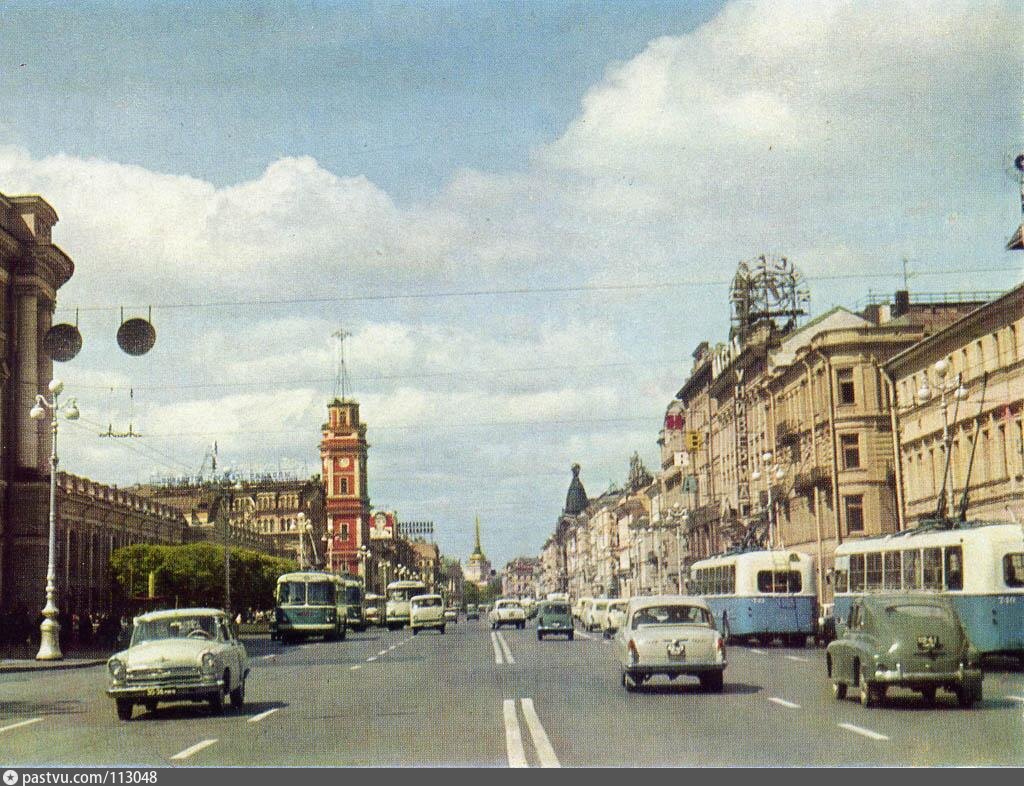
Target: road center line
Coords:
[[382, 652], [371, 659], [505, 649], [797, 658], [756, 652], [18, 725], [784, 703], [874, 735], [545, 752], [513, 736], [262, 715], [357, 666], [193, 750], [1011, 698], [583, 635], [269, 657], [498, 659]]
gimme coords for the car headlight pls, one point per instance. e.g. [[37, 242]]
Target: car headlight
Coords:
[[117, 669], [209, 661]]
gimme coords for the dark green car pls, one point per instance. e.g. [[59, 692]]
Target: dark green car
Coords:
[[554, 616], [908, 641]]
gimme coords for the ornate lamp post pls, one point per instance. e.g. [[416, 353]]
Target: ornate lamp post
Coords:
[[363, 554], [49, 629], [947, 387], [772, 472]]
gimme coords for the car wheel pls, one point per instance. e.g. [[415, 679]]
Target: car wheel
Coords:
[[238, 695], [441, 629], [629, 683], [965, 697], [342, 634], [713, 682], [216, 702], [540, 636], [571, 636], [415, 631], [868, 695], [150, 706], [124, 709], [928, 695], [838, 691]]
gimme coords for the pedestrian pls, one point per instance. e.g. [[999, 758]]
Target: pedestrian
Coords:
[[85, 630]]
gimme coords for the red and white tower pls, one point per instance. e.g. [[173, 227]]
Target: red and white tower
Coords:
[[343, 455]]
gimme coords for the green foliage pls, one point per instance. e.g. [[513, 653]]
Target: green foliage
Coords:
[[193, 574], [471, 593]]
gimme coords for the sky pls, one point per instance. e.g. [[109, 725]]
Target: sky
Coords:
[[526, 214]]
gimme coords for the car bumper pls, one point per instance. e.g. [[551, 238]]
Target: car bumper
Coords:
[[674, 669], [196, 689], [305, 627], [554, 629], [425, 623], [911, 679]]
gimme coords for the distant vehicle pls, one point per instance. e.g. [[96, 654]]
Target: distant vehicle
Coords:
[[179, 655], [581, 608], [909, 640], [979, 565], [355, 612], [554, 617], [451, 614], [426, 611], [507, 611], [672, 635], [594, 616], [760, 594], [372, 611], [399, 594], [530, 606], [563, 596], [472, 612], [614, 618], [309, 603]]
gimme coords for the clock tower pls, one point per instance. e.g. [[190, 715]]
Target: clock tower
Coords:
[[343, 456]]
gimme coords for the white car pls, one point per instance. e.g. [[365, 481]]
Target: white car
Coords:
[[179, 655], [594, 617], [614, 618], [672, 635], [426, 611], [507, 611], [582, 607]]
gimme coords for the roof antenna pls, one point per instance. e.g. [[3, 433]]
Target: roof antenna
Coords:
[[974, 446], [341, 379]]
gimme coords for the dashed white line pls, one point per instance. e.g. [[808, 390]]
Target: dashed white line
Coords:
[[513, 736], [262, 715], [382, 652], [797, 658], [784, 703], [583, 635], [545, 752], [193, 750], [874, 735], [498, 657], [505, 649], [371, 659], [756, 652], [18, 725], [357, 666], [269, 657], [1011, 698]]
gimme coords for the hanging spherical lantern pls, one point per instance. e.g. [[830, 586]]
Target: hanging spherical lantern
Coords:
[[136, 336], [62, 342]]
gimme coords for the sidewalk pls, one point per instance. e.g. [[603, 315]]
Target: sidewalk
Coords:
[[21, 659]]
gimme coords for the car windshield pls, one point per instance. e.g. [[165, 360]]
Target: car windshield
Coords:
[[291, 592], [400, 595], [616, 607], [508, 604], [671, 615], [556, 609], [424, 603], [918, 610], [195, 627], [353, 594]]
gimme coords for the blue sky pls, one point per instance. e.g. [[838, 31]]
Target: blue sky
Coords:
[[263, 176]]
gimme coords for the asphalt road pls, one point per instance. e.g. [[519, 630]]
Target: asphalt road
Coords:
[[470, 698]]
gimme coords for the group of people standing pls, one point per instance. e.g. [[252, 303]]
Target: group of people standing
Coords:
[[19, 631]]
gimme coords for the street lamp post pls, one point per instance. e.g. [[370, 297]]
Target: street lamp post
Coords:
[[924, 394], [777, 472], [300, 528], [49, 629]]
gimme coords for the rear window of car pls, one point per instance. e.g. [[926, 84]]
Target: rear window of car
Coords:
[[556, 608], [919, 611], [671, 615], [427, 602]]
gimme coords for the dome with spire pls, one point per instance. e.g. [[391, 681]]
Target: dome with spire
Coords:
[[576, 500]]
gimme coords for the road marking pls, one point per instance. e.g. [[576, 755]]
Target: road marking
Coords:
[[262, 715], [505, 649], [784, 703], [583, 635], [193, 750], [371, 659], [1012, 698], [498, 659], [797, 658], [357, 666], [269, 657], [756, 652], [392, 647], [545, 752], [382, 652], [18, 725], [874, 735], [513, 736]]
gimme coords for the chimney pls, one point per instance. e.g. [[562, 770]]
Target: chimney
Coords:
[[901, 304]]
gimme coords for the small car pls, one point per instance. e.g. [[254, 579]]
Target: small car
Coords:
[[580, 609], [179, 655], [594, 615], [451, 615], [825, 631], [554, 617], [671, 635], [372, 611], [507, 611], [472, 612], [905, 640], [614, 617], [426, 611]]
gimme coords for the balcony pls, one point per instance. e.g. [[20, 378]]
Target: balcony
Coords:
[[815, 476], [786, 433]]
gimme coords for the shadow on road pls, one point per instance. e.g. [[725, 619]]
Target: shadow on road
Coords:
[[60, 707], [735, 688], [191, 710]]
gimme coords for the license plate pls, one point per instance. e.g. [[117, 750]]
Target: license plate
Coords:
[[677, 651], [159, 691], [927, 642]]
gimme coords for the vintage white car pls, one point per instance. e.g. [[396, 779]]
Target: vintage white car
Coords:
[[614, 618], [426, 611], [179, 655], [507, 611], [673, 635], [595, 614]]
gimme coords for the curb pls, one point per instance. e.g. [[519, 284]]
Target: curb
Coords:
[[61, 666]]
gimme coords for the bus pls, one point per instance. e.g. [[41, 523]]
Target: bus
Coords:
[[398, 594], [760, 594], [309, 603], [354, 602], [979, 564]]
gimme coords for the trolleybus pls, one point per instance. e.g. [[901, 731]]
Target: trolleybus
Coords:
[[759, 594], [397, 608], [309, 603]]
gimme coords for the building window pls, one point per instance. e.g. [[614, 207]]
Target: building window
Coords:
[[844, 377], [850, 444], [343, 531], [854, 512]]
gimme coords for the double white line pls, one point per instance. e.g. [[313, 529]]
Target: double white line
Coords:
[[502, 654], [514, 737]]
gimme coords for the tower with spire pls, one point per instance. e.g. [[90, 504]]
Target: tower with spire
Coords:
[[478, 568]]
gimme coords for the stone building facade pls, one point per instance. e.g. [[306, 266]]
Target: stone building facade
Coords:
[[343, 453]]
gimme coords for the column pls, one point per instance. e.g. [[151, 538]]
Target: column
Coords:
[[26, 380]]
